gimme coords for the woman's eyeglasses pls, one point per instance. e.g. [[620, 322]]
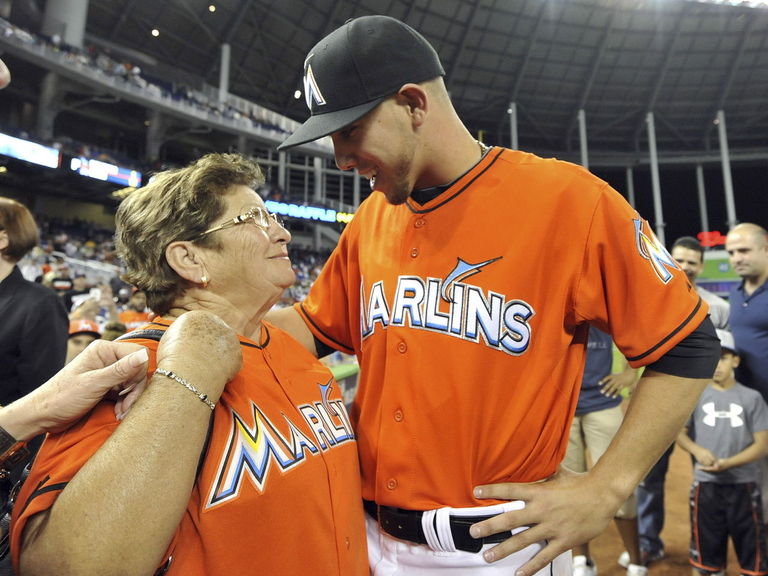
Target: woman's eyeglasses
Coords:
[[256, 216]]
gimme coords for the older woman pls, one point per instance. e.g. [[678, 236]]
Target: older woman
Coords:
[[215, 470]]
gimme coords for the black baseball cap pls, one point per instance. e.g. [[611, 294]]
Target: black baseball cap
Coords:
[[353, 69]]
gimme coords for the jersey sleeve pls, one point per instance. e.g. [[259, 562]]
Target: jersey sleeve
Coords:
[[631, 286], [60, 457], [332, 297]]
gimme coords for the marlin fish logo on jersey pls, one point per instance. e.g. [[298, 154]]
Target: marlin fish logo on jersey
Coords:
[[449, 306], [651, 249], [463, 270], [257, 444]]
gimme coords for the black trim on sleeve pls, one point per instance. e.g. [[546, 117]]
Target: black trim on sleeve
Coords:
[[670, 335], [336, 344], [146, 334], [42, 489], [695, 356]]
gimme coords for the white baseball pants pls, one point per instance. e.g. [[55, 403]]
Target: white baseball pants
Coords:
[[389, 556]]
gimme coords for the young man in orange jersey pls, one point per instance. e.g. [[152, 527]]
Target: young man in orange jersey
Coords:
[[471, 344]]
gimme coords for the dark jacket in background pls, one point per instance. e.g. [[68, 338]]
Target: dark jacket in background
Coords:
[[33, 336]]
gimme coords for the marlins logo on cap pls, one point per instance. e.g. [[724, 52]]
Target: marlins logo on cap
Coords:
[[311, 89], [353, 69]]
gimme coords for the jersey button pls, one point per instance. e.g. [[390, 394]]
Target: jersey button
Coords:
[[414, 252], [346, 541], [398, 415], [391, 484], [420, 223], [402, 347]]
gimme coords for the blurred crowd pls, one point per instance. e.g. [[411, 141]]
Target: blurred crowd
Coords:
[[77, 260], [117, 69]]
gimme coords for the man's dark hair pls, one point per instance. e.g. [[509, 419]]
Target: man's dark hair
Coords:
[[690, 243]]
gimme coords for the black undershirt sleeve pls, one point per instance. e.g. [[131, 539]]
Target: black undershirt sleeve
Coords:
[[324, 350], [695, 356]]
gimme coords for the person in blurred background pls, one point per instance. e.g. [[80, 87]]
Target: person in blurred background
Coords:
[[113, 330], [135, 313], [727, 436], [597, 420], [80, 288], [688, 252], [33, 331], [81, 334], [98, 306], [33, 323], [61, 279], [747, 246]]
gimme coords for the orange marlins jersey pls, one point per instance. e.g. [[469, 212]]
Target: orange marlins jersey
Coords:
[[133, 319], [278, 491], [469, 316]]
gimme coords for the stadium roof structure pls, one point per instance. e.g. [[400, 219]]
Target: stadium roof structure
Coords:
[[546, 60]]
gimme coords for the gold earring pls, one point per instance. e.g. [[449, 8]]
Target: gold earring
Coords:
[[204, 281]]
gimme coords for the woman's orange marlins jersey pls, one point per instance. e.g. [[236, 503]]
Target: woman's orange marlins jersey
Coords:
[[278, 491]]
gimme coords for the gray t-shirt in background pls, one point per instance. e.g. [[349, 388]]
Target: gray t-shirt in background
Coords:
[[724, 422]]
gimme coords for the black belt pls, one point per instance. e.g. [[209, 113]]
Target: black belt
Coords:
[[406, 525]]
